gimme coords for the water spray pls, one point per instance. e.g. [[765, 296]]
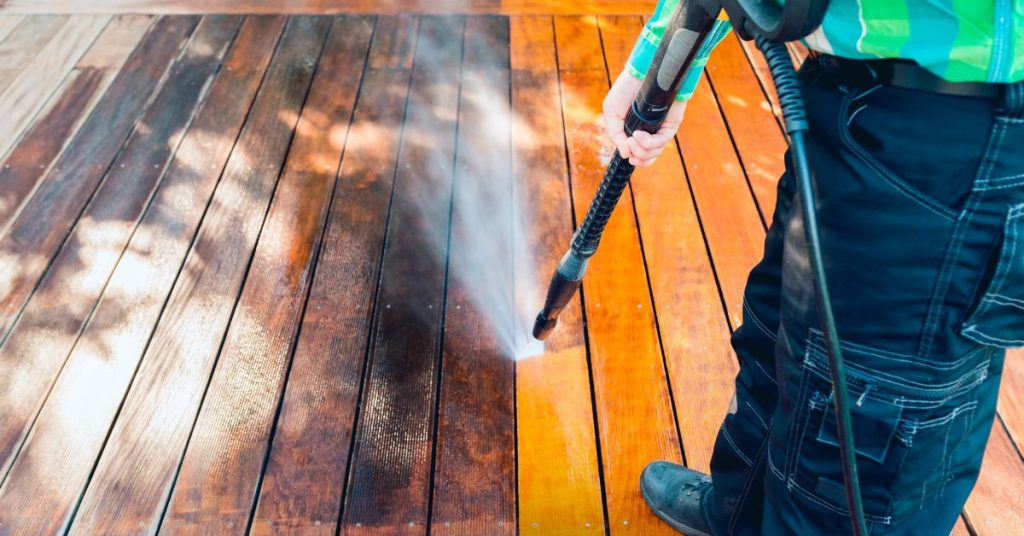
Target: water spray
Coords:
[[770, 25]]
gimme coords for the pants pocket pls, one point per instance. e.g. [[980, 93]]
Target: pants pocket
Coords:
[[997, 317], [908, 416]]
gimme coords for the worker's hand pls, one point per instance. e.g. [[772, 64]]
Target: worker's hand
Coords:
[[641, 148]]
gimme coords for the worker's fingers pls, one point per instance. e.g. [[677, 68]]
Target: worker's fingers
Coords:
[[641, 156], [614, 125], [638, 149]]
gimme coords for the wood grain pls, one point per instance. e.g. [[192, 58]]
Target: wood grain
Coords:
[[23, 43], [39, 495], [559, 483], [389, 480], [7, 24], [218, 478], [628, 370], [996, 502], [30, 160], [1011, 399], [34, 237], [393, 7], [27, 94], [474, 468], [306, 473], [693, 325], [132, 478]]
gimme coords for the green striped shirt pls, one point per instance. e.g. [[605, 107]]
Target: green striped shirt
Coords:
[[959, 40]]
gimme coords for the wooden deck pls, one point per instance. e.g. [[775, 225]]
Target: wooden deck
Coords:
[[239, 276]]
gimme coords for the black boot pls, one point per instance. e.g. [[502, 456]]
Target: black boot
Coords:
[[676, 494]]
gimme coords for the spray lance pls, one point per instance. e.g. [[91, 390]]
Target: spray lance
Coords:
[[769, 25]]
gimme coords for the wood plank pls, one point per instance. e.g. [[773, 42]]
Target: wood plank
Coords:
[[559, 484], [23, 43], [305, 476], [389, 480], [8, 23], [27, 95], [390, 7], [42, 225], [1011, 399], [996, 504], [693, 326], [218, 481], [131, 480], [474, 468], [30, 160], [750, 121], [51, 471], [763, 74], [628, 370]]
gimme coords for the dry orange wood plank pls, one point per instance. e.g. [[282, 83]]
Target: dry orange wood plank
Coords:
[[694, 329], [754, 129], [559, 484], [305, 476], [27, 94], [130, 483], [29, 499], [30, 160], [510, 7], [996, 505], [23, 43], [474, 468], [634, 412], [218, 482], [389, 480], [764, 75], [42, 225], [960, 529]]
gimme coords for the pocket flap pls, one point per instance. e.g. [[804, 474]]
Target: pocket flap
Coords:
[[997, 318], [874, 424]]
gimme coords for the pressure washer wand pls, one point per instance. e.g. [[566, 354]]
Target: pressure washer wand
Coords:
[[688, 28]]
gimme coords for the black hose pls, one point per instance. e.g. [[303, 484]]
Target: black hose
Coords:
[[795, 118]]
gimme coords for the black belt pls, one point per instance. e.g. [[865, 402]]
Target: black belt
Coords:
[[908, 75]]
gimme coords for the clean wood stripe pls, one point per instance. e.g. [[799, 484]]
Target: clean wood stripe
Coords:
[[132, 478], [27, 95], [1011, 403], [474, 471], [23, 43], [694, 329], [30, 160], [42, 225], [559, 484], [393, 7], [7, 25], [628, 370], [996, 502], [306, 473], [389, 481], [93, 380], [219, 477]]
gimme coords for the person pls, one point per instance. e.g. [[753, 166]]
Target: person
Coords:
[[916, 111]]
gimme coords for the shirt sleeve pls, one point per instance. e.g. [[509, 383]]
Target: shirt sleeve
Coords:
[[654, 30]]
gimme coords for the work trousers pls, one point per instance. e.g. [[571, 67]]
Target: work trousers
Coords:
[[920, 199]]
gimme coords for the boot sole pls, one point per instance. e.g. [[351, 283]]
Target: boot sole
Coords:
[[684, 529]]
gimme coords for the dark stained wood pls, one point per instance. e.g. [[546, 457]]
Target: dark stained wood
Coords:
[[693, 326], [305, 475], [474, 471], [508, 7], [32, 89], [24, 42], [42, 225], [132, 478], [389, 480], [217, 482], [559, 484], [628, 369], [29, 497], [30, 160]]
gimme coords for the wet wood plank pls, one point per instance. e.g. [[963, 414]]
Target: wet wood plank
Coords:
[[474, 468], [215, 490], [27, 95], [52, 469], [35, 236], [131, 482], [693, 325], [389, 480], [306, 473], [23, 43], [30, 160], [628, 370], [559, 484]]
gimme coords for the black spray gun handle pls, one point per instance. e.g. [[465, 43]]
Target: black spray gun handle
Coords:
[[686, 32]]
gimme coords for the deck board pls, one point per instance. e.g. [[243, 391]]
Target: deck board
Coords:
[[265, 273]]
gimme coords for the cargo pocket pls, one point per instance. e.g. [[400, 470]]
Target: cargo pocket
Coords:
[[997, 318], [908, 416]]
